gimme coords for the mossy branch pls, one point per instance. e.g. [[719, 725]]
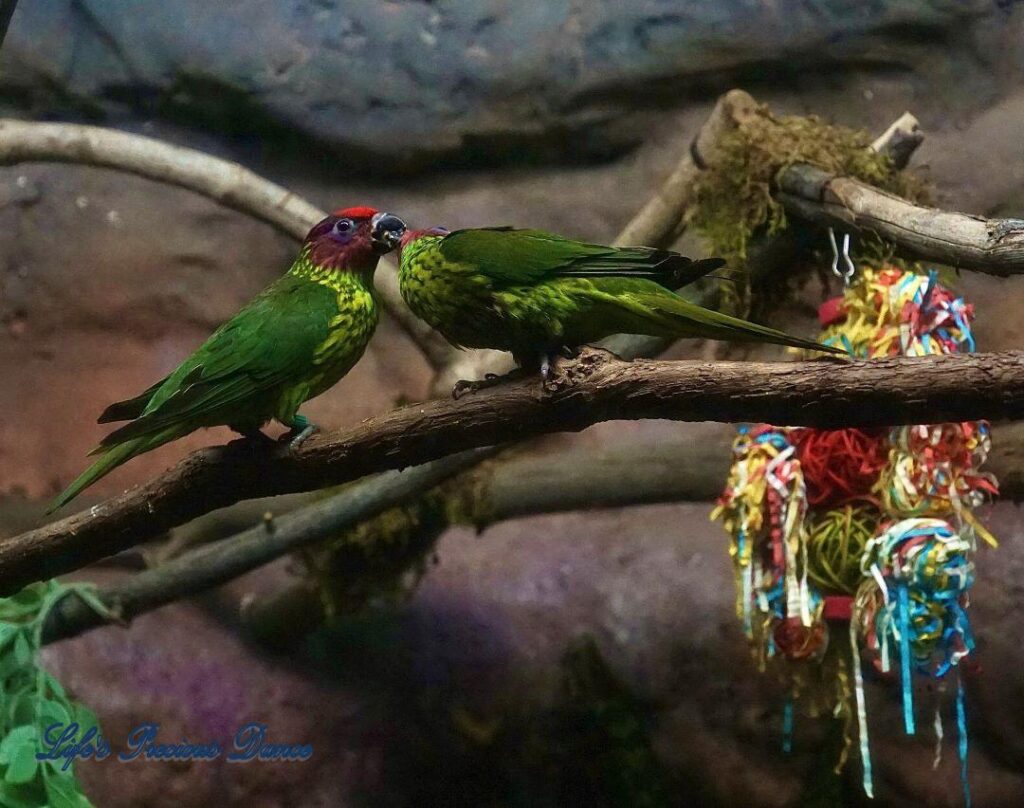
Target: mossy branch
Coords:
[[736, 195], [216, 563]]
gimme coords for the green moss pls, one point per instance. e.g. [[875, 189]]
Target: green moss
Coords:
[[386, 555], [468, 498], [733, 198], [381, 558]]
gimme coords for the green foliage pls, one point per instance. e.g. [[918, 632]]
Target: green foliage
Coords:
[[733, 197], [31, 700]]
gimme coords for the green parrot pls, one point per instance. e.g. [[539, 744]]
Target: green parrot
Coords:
[[293, 341], [536, 294]]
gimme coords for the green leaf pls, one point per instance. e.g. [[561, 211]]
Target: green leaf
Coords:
[[23, 765], [85, 717], [19, 796], [23, 604], [22, 650], [63, 791], [8, 667], [31, 595], [56, 689], [17, 737], [52, 712], [7, 633], [31, 699], [21, 706]]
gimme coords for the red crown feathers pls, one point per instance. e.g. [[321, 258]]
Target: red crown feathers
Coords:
[[359, 212]]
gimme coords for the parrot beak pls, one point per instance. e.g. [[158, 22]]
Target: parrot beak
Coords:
[[386, 231]]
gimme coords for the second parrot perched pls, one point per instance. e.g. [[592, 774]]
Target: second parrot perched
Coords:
[[534, 293]]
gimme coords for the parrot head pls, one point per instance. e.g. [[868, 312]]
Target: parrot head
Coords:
[[354, 238]]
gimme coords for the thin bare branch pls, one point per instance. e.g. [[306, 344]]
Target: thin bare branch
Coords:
[[993, 246], [677, 467], [223, 181]]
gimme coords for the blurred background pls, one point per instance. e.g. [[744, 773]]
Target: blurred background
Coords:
[[586, 658]]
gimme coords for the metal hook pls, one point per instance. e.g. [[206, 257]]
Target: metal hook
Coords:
[[846, 275]]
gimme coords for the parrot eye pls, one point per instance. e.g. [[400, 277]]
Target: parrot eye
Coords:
[[343, 227]]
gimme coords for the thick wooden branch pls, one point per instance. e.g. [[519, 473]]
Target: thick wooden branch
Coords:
[[592, 388], [686, 464], [675, 467], [993, 246], [678, 467], [516, 485], [223, 181]]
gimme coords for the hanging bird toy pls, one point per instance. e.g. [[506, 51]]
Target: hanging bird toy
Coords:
[[870, 527]]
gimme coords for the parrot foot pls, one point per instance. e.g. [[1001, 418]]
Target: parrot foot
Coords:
[[295, 443], [463, 386], [552, 371], [302, 429], [549, 361]]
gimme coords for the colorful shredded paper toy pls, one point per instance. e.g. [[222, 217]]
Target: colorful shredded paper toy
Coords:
[[764, 508], [887, 312], [874, 528], [933, 470]]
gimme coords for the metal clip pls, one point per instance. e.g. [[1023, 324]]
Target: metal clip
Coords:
[[846, 275]]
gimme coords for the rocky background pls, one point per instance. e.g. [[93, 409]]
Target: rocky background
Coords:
[[588, 658]]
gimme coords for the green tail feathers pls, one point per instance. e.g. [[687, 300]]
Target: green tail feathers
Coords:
[[697, 321], [109, 460]]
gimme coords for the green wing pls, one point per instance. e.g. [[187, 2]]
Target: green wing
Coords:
[[269, 343], [511, 257], [131, 408]]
